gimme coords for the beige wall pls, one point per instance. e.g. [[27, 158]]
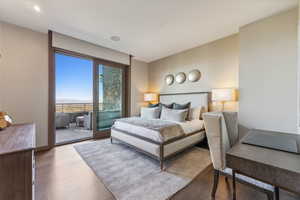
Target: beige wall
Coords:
[[24, 77], [268, 84], [139, 85], [298, 77], [218, 62], [268, 73], [1, 60], [86, 48]]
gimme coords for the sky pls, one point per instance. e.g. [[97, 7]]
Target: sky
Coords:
[[74, 79]]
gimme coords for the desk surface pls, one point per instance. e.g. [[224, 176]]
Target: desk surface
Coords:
[[273, 140], [272, 166], [275, 158]]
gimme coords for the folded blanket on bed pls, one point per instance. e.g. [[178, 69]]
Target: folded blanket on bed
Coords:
[[167, 130]]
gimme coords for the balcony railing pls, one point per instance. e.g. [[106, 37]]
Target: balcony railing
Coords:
[[67, 113], [81, 107], [75, 107]]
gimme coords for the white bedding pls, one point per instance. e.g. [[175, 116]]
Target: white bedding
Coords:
[[192, 126], [188, 128]]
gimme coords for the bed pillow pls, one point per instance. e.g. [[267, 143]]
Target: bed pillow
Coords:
[[162, 105], [186, 106], [170, 106], [150, 113], [195, 113], [173, 115], [153, 105], [182, 106]]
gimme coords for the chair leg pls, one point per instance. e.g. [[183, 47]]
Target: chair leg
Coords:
[[276, 193], [161, 157], [216, 181], [226, 179], [233, 185], [161, 162], [270, 196]]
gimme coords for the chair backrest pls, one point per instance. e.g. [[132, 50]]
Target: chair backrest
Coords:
[[222, 133], [88, 120]]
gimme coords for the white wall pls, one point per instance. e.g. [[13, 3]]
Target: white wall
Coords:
[[218, 62], [139, 85], [24, 77], [268, 73]]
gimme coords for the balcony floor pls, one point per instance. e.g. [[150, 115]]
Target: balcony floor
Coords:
[[72, 133]]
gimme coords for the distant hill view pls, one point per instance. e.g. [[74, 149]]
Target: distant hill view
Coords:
[[75, 105], [67, 100]]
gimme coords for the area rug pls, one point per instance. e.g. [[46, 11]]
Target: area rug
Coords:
[[130, 175]]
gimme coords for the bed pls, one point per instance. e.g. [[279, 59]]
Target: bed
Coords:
[[144, 135]]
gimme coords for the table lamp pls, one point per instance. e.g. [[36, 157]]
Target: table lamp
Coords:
[[222, 95], [150, 97]]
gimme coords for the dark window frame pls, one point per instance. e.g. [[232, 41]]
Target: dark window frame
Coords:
[[52, 89]]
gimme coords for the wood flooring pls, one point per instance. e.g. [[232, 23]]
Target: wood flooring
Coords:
[[61, 174]]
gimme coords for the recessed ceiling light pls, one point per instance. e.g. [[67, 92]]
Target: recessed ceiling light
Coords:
[[37, 8], [115, 38]]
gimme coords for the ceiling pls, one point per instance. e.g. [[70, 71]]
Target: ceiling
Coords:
[[149, 29]]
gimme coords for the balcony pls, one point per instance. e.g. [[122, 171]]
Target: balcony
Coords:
[[74, 121], [69, 122]]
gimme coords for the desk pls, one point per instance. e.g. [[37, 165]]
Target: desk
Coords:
[[278, 168]]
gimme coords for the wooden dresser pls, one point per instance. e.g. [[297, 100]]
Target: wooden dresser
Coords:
[[17, 162]]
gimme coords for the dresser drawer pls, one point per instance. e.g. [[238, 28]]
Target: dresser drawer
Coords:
[[17, 162]]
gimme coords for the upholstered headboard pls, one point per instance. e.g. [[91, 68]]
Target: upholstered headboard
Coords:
[[197, 99]]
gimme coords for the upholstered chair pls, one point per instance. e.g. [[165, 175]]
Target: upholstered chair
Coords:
[[62, 120], [88, 121], [222, 133]]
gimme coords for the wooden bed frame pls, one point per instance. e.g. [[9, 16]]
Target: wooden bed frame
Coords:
[[161, 158]]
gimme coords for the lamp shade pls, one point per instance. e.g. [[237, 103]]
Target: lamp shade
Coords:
[[150, 97], [223, 94]]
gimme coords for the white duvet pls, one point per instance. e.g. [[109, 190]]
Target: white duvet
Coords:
[[192, 126], [188, 127]]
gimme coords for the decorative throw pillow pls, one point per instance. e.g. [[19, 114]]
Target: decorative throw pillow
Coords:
[[183, 106], [161, 106], [173, 115], [153, 105], [195, 113], [150, 113], [170, 106]]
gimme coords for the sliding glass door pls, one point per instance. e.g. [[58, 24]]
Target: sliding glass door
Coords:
[[73, 98], [109, 95], [86, 96]]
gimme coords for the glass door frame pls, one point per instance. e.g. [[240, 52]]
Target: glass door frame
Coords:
[[52, 92], [125, 93]]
